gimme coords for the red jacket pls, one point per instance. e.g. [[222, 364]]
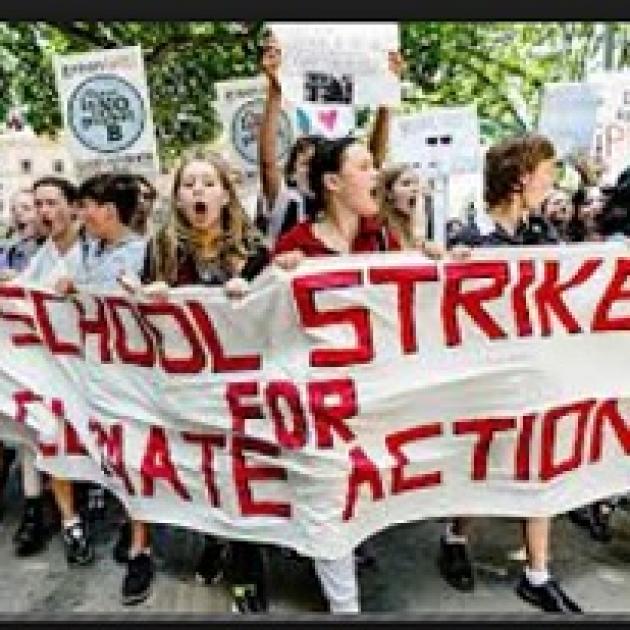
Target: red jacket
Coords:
[[373, 236]]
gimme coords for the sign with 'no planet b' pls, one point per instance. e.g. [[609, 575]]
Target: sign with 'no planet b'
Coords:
[[240, 103], [106, 111]]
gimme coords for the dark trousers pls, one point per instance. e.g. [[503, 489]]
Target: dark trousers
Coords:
[[245, 560]]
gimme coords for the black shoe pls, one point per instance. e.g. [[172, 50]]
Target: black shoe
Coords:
[[548, 596], [580, 516], [364, 556], [211, 565], [248, 599], [455, 566], [138, 581], [599, 521], [30, 537], [121, 548], [79, 548]]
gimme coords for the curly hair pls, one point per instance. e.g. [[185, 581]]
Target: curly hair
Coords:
[[234, 240], [507, 162]]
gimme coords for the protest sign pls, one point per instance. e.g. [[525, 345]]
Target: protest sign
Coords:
[[240, 103], [336, 400], [324, 120], [443, 140], [568, 116], [338, 64], [612, 143], [106, 111]]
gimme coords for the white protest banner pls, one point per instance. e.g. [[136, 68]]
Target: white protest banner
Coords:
[[240, 103], [613, 122], [445, 140], [568, 116], [324, 120], [337, 63], [107, 111], [334, 401]]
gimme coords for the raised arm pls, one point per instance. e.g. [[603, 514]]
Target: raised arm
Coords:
[[379, 138], [270, 172]]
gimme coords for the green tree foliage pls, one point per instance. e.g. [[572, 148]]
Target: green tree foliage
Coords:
[[183, 60], [500, 67]]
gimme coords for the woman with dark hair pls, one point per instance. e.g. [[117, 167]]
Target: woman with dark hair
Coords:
[[289, 199], [344, 184]]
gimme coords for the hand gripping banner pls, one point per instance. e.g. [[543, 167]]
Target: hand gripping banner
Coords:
[[336, 400]]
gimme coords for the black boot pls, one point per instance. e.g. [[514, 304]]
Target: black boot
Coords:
[[455, 565], [138, 581], [211, 564], [247, 577], [30, 537]]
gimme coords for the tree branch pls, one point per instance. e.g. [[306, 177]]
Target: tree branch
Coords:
[[186, 40], [88, 35], [489, 82]]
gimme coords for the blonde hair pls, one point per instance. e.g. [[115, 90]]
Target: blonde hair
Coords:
[[400, 223], [233, 242]]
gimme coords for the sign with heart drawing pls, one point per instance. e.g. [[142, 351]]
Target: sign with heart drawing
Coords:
[[328, 121]]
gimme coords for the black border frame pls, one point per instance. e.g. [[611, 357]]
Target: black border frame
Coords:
[[324, 10]]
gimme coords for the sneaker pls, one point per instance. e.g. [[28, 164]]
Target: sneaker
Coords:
[[120, 552], [137, 583], [548, 596], [30, 537], [455, 566], [79, 548], [248, 599], [211, 565]]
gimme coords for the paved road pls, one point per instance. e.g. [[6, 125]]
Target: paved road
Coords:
[[405, 579]]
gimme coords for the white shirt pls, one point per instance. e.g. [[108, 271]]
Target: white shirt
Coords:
[[102, 265], [48, 265]]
